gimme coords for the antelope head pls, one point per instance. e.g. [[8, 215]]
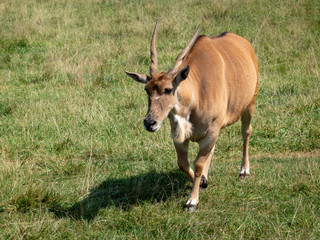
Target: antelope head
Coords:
[[162, 87]]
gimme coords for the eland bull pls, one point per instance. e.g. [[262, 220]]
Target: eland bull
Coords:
[[212, 84]]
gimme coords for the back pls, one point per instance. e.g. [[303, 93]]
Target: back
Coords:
[[224, 73]]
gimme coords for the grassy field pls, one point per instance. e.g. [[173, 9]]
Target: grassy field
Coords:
[[75, 161]]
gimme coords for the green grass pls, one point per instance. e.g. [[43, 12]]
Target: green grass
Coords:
[[75, 161]]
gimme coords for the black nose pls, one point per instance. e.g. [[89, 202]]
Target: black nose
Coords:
[[148, 124]]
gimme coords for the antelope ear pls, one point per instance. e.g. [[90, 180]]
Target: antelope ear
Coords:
[[141, 78], [181, 76]]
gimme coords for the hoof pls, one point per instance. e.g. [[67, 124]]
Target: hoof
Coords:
[[203, 182], [190, 207], [244, 175]]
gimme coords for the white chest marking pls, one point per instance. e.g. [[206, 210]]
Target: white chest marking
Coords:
[[182, 129]]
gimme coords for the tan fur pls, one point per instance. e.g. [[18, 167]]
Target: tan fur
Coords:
[[221, 87]]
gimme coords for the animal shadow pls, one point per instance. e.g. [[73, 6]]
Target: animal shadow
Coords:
[[124, 193]]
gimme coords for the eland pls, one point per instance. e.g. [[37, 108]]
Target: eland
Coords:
[[212, 84]]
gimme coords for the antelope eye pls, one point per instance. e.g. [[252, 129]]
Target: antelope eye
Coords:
[[168, 90]]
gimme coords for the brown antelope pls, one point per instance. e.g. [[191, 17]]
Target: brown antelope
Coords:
[[212, 84]]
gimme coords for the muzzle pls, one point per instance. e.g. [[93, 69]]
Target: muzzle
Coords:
[[151, 125]]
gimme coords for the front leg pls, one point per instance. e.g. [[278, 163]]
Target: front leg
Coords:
[[201, 164], [183, 163], [204, 176]]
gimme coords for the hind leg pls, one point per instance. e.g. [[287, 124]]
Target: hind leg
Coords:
[[246, 130]]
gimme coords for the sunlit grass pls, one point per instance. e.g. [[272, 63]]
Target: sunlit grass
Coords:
[[75, 161]]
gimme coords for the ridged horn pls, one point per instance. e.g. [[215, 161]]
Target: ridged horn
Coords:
[[183, 54], [153, 51]]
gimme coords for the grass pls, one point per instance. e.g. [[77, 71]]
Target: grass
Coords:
[[75, 161]]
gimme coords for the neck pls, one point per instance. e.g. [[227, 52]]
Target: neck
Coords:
[[181, 127]]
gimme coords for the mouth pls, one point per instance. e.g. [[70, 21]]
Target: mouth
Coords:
[[153, 128]]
